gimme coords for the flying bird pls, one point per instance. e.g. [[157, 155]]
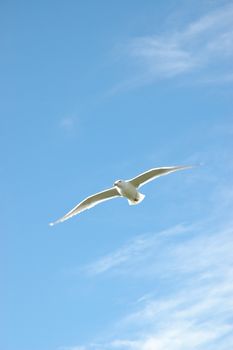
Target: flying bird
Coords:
[[121, 188]]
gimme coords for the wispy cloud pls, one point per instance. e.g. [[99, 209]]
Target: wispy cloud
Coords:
[[203, 47], [200, 317], [163, 253], [196, 310], [132, 251], [68, 123]]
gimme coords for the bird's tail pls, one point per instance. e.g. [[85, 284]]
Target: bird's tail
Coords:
[[138, 200]]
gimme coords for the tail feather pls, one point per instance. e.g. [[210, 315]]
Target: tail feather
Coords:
[[138, 200]]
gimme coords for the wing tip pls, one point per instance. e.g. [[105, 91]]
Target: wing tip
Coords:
[[193, 166], [64, 218], [55, 222]]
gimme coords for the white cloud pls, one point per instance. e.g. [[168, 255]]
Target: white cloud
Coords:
[[68, 123], [204, 46], [154, 250], [195, 312], [133, 251]]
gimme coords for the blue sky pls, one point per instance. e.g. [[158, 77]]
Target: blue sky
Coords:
[[97, 91]]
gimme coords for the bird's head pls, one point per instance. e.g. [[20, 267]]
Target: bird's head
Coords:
[[118, 183]]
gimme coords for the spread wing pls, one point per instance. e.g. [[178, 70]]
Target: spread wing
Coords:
[[151, 174], [88, 203]]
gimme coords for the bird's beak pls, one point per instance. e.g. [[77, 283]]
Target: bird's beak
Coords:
[[115, 184]]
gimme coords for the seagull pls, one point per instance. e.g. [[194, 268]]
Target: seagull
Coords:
[[121, 188]]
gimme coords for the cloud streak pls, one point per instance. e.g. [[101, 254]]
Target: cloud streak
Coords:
[[68, 123], [195, 311], [132, 252], [203, 48]]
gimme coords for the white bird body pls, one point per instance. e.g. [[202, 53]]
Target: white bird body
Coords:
[[122, 188], [126, 189]]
